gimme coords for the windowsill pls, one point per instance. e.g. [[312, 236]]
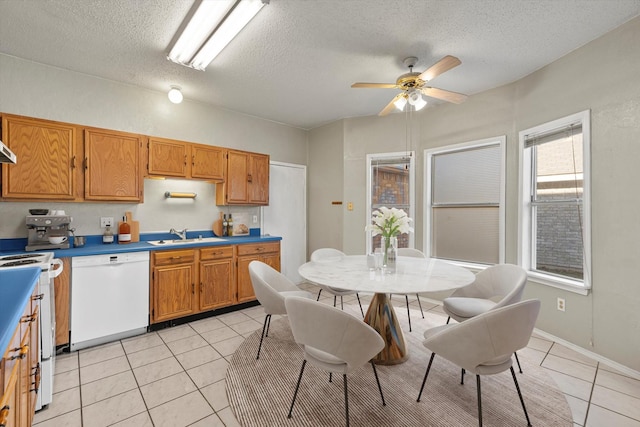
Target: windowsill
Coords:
[[557, 282]]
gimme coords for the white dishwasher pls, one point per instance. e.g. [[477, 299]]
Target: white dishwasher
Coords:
[[109, 298]]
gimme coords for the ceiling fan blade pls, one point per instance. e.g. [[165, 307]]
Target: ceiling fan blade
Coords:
[[445, 64], [390, 106], [446, 95], [376, 85]]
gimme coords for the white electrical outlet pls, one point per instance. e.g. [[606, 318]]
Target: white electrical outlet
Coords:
[[106, 221], [255, 219], [561, 304]]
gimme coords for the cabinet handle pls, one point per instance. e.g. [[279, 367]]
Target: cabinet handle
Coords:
[[29, 319], [249, 178], [185, 160], [85, 163], [4, 415], [193, 288], [23, 353], [201, 287], [193, 160], [37, 297], [176, 257], [73, 162]]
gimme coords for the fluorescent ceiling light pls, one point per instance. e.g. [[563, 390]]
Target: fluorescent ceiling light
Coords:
[[214, 24]]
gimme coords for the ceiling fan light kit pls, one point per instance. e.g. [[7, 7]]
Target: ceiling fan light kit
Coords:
[[213, 25], [413, 85]]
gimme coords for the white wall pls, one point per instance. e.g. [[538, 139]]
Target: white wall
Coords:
[[35, 90], [601, 76]]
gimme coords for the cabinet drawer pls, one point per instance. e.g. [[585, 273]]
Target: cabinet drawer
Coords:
[[216, 252], [185, 256], [258, 248]]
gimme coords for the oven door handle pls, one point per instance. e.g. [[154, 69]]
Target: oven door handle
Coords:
[[55, 272]]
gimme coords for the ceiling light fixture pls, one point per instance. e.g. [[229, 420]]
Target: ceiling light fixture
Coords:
[[175, 95], [415, 99], [213, 25], [401, 102]]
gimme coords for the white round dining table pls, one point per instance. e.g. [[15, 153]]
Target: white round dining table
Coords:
[[413, 275]]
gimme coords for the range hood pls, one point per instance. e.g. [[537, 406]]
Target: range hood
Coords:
[[6, 155]]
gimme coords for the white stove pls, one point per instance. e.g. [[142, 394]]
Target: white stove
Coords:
[[50, 268]]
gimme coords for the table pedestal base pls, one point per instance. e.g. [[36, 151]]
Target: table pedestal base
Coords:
[[382, 317]]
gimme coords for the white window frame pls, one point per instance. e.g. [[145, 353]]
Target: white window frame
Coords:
[[412, 190], [428, 155], [525, 220]]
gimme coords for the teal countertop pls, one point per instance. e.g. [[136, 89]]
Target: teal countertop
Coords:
[[16, 286], [94, 245]]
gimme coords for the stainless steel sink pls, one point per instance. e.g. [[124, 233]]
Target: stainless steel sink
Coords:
[[173, 242]]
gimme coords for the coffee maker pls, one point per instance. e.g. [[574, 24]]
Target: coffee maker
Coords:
[[41, 227]]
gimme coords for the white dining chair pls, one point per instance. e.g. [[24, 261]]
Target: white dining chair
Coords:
[[271, 288], [330, 255], [494, 287], [332, 340], [415, 253], [484, 344]]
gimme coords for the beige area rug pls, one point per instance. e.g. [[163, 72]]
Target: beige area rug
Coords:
[[260, 391]]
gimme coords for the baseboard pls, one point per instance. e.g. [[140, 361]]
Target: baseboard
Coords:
[[595, 356]]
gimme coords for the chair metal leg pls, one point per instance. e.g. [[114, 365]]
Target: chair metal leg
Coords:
[[346, 398], [448, 319], [264, 327], [420, 305], [335, 298], [462, 372], [479, 400], [341, 303], [373, 365], [361, 311], [295, 393], [319, 292], [408, 312], [518, 361], [330, 376], [268, 326], [425, 376], [513, 374]]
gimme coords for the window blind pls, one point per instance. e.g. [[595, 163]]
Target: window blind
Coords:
[[552, 135]]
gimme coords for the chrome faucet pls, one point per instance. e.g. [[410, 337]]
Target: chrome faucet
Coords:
[[182, 234]]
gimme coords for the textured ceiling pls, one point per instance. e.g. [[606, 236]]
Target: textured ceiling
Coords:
[[295, 62]]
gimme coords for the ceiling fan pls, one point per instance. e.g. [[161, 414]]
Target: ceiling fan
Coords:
[[413, 85]]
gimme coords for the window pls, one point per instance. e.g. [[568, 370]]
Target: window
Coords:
[[554, 219], [391, 182], [464, 203]]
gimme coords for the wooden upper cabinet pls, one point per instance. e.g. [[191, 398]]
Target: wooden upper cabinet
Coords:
[[181, 159], [207, 162], [247, 180], [259, 179], [48, 160], [168, 157], [112, 166]]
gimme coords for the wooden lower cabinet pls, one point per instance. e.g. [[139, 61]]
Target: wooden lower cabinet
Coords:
[[20, 371], [268, 252], [63, 302], [191, 281], [173, 280], [216, 278]]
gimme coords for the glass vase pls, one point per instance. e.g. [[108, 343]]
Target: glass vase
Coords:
[[390, 253]]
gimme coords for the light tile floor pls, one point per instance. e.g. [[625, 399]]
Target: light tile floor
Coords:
[[176, 377]]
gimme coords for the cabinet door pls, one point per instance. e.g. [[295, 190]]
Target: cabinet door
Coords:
[[273, 260], [61, 292], [237, 184], [173, 292], [112, 166], [245, 288], [10, 399], [168, 157], [216, 284], [207, 162], [46, 153], [259, 179]]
